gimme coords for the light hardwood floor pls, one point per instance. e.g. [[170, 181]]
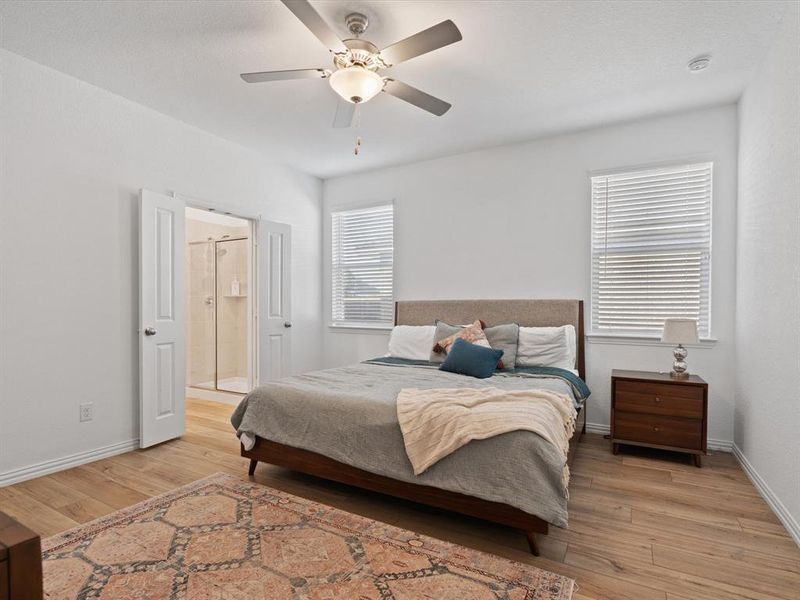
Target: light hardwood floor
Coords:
[[643, 526]]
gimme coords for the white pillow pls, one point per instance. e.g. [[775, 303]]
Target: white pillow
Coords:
[[572, 340], [547, 347], [411, 341]]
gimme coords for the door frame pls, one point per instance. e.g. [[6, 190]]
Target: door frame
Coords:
[[252, 269]]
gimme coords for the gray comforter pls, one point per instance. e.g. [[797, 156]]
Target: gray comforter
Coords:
[[349, 414]]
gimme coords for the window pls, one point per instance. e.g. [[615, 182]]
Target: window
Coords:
[[362, 269], [651, 249]]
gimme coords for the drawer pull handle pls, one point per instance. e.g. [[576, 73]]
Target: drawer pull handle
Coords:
[[655, 428], [658, 399]]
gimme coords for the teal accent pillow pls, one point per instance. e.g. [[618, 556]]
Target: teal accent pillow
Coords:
[[470, 359]]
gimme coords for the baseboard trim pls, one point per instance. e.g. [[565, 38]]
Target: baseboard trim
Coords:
[[786, 519], [598, 428], [719, 445], [66, 462]]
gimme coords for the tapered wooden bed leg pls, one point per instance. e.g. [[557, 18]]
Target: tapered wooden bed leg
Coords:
[[532, 542], [251, 471]]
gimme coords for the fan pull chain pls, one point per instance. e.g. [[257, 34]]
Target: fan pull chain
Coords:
[[356, 124]]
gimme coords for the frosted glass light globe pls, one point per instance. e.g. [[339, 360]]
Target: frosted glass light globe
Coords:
[[356, 84]]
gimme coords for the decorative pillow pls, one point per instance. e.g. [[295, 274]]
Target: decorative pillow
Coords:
[[504, 337], [443, 330], [472, 333], [471, 359], [412, 342], [547, 347]]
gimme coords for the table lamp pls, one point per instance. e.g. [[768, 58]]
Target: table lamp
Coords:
[[679, 331]]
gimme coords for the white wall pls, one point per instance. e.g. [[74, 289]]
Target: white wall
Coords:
[[73, 159], [514, 221], [768, 274]]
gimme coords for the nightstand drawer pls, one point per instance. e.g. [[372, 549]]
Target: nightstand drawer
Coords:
[[651, 402], [662, 390], [659, 430]]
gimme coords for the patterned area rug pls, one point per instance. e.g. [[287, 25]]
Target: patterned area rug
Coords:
[[222, 538]]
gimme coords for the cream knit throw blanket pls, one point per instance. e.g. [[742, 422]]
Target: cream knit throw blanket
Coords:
[[436, 422]]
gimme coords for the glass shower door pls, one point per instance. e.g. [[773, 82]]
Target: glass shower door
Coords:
[[200, 316], [232, 288]]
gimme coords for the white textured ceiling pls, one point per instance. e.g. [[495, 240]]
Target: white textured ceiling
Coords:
[[524, 68]]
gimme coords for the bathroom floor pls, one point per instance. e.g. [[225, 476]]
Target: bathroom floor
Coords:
[[237, 385], [234, 384]]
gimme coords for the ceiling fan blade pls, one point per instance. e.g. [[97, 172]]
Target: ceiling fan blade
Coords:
[[303, 10], [283, 75], [345, 111], [430, 39], [412, 95]]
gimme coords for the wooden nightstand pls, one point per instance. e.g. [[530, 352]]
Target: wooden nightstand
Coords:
[[654, 410]]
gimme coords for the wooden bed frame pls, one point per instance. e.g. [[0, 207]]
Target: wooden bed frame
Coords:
[[528, 313]]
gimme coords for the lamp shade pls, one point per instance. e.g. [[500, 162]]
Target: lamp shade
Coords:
[[679, 331], [356, 84]]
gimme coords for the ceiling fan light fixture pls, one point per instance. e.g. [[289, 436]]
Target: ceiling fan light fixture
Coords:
[[356, 84]]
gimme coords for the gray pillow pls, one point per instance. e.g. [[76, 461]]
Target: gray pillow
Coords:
[[443, 330], [505, 338]]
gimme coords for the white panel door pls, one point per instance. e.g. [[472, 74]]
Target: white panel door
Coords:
[[162, 346], [274, 300]]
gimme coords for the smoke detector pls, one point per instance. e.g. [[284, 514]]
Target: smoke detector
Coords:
[[699, 63]]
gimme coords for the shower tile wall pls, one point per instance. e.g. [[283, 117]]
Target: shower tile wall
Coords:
[[201, 327]]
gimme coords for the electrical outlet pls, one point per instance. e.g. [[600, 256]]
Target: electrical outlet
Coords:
[[87, 411]]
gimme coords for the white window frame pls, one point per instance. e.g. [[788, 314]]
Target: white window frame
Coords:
[[650, 334], [337, 323]]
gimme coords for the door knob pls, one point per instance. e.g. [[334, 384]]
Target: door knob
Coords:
[[150, 331], [287, 324]]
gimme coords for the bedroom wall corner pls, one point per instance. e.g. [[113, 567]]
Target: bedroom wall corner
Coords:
[[767, 331]]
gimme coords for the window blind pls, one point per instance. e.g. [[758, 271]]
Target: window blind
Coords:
[[651, 249], [363, 264]]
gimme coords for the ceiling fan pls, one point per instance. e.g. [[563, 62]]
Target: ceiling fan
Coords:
[[356, 62]]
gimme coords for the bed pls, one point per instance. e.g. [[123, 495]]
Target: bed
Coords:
[[341, 424]]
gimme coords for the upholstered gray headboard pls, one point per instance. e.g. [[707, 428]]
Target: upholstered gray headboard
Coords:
[[527, 313]]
